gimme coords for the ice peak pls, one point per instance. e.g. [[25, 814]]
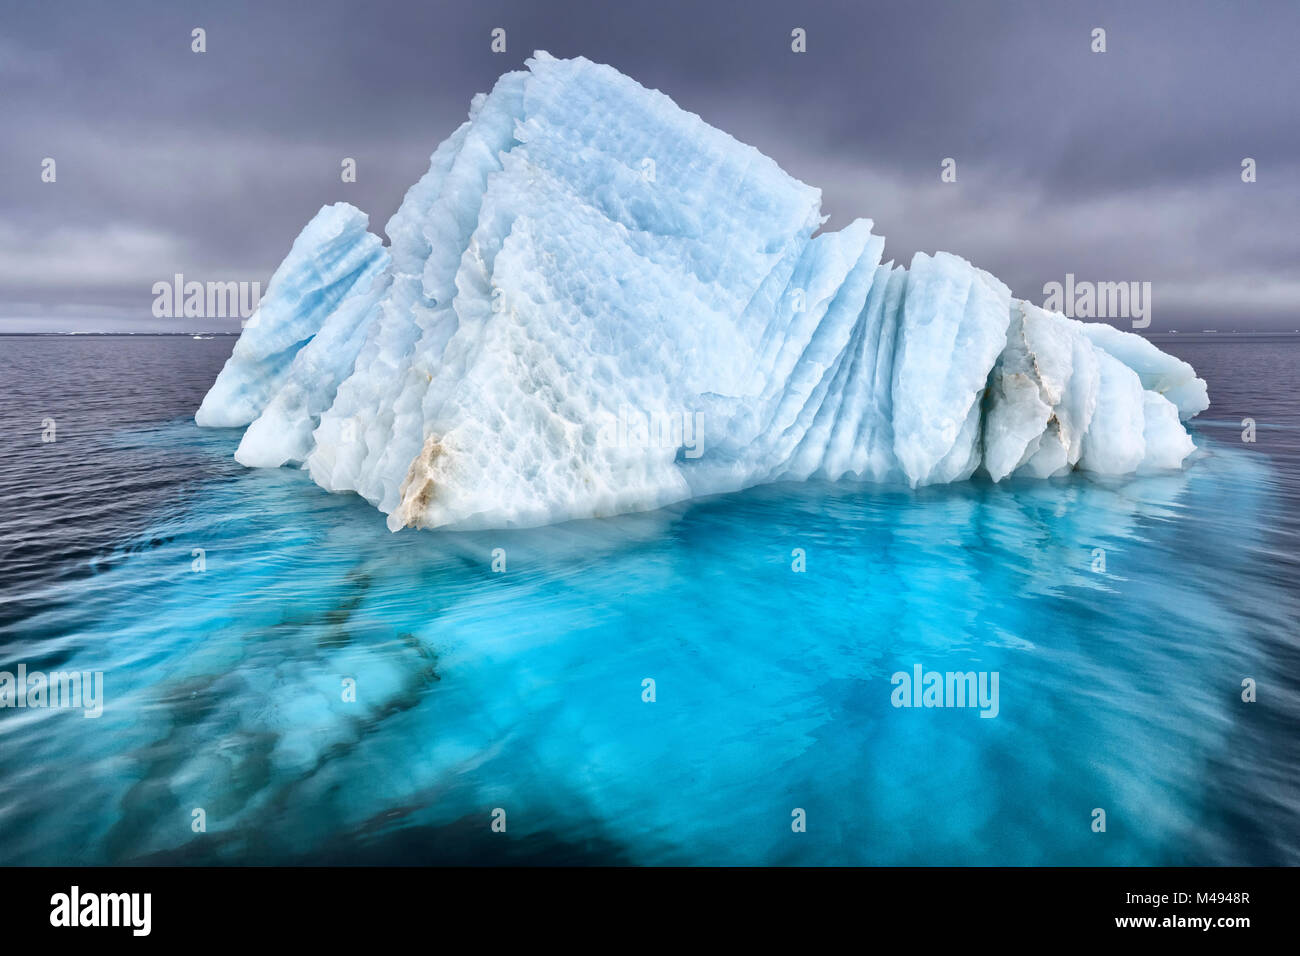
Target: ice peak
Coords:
[[586, 269]]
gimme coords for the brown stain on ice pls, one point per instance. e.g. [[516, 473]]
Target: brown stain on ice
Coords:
[[418, 488]]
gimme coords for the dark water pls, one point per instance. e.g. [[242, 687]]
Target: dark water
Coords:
[[522, 691]]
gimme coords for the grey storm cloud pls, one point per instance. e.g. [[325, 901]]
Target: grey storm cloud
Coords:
[[1116, 166]]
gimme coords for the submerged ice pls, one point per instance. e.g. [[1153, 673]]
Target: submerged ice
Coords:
[[581, 247]]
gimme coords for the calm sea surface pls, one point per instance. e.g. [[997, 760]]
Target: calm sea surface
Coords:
[[520, 694]]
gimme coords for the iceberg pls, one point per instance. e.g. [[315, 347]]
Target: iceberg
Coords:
[[595, 303]]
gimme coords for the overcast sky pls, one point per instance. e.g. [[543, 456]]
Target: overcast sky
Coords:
[[1115, 166]]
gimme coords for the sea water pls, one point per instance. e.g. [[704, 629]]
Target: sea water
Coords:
[[285, 681]]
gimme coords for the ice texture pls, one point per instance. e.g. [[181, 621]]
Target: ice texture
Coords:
[[595, 303], [333, 258]]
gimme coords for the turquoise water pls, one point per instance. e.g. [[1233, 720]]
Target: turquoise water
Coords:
[[522, 689]]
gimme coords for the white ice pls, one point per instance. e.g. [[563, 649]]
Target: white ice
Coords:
[[595, 303]]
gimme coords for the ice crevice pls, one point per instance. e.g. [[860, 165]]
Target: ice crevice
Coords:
[[595, 303]]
